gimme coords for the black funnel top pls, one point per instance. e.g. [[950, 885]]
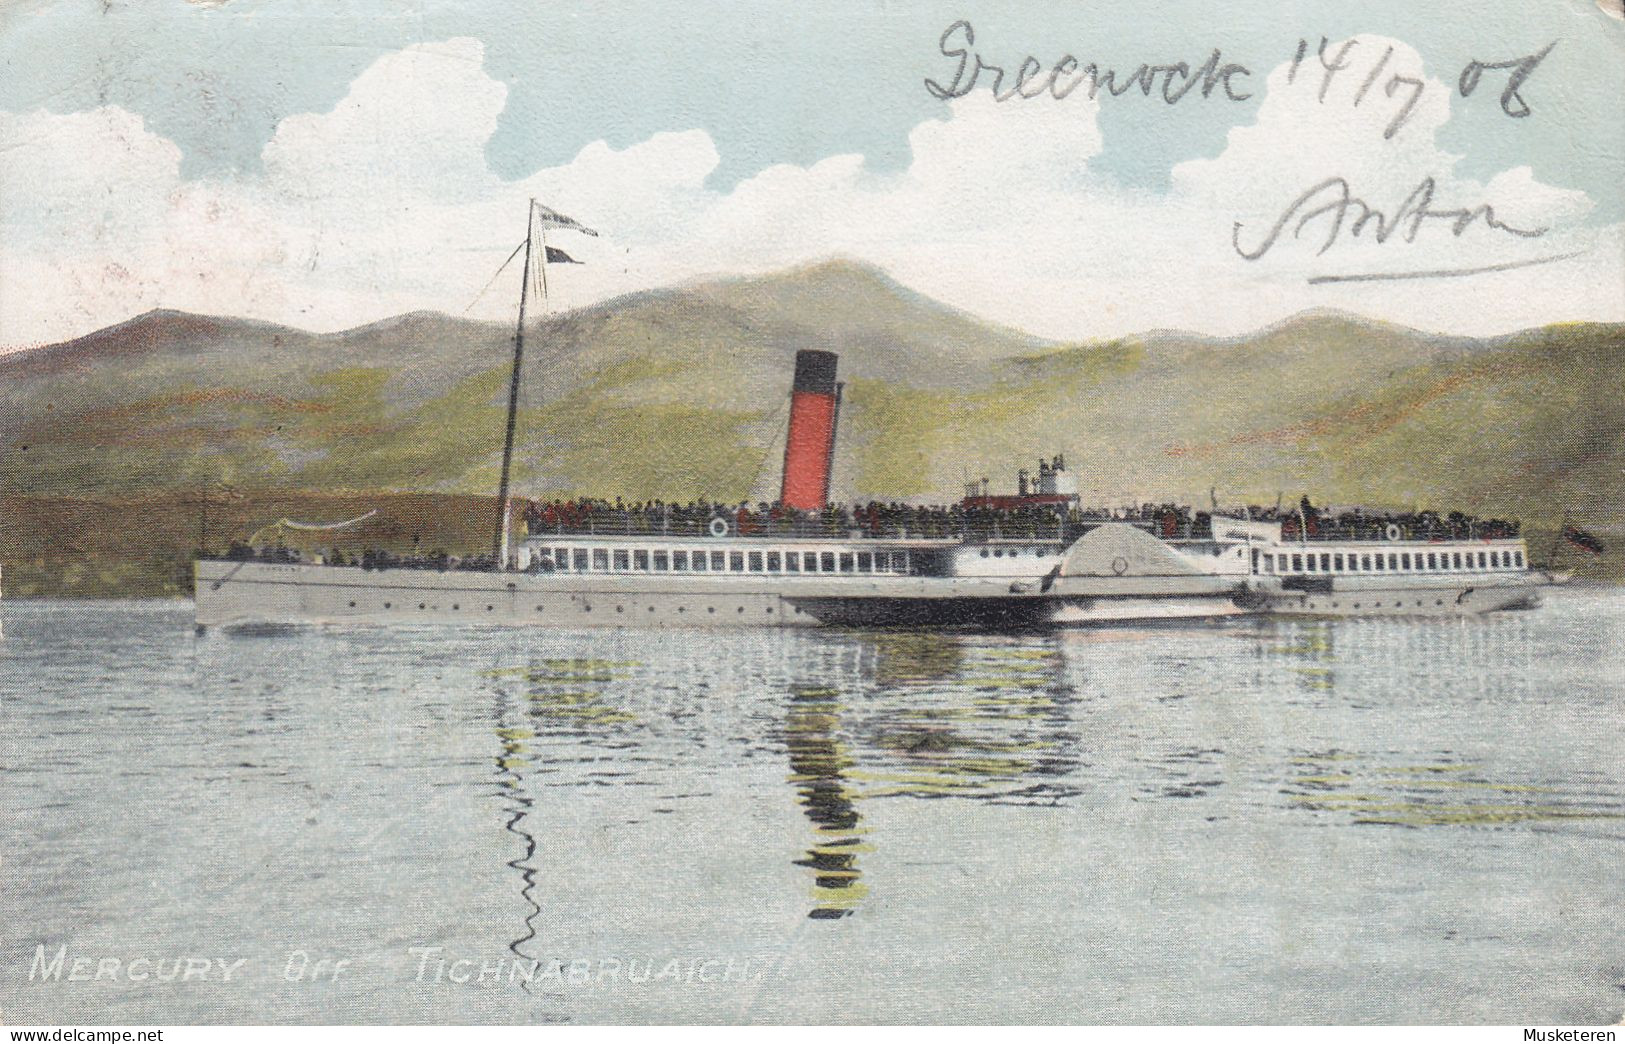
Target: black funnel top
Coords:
[[815, 371]]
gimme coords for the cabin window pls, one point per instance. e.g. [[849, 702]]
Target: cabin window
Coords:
[[1325, 563], [600, 558], [1379, 562], [1517, 559], [1297, 563], [899, 561], [1309, 561], [736, 561], [1255, 560], [846, 561], [561, 557], [1280, 563], [865, 562], [718, 562], [622, 561], [679, 561], [1365, 563], [640, 561], [1496, 560], [1405, 560], [792, 562], [773, 562], [1337, 563], [1433, 560], [1483, 563], [578, 559], [826, 561], [756, 561], [699, 561]]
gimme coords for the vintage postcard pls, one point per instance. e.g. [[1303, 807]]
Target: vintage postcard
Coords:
[[878, 512]]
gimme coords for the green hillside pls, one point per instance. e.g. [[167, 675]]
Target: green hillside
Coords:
[[681, 393]]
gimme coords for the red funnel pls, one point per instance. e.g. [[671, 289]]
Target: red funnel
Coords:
[[810, 447]]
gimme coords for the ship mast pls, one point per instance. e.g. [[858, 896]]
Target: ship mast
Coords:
[[503, 531]]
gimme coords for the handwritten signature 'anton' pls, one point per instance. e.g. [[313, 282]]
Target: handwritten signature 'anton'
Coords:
[[1333, 203]]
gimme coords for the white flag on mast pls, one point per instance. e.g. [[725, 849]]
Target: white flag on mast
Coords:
[[549, 216]]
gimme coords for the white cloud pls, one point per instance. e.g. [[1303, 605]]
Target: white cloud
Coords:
[[386, 204]]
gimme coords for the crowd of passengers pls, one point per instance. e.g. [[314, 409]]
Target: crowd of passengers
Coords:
[[1306, 520], [876, 519], [702, 518]]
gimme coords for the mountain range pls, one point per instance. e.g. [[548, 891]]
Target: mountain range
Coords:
[[681, 393]]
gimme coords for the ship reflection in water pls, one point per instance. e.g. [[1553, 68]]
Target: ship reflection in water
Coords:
[[941, 716], [1136, 714], [818, 765], [542, 701]]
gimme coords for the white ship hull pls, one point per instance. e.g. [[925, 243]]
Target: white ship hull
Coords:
[[251, 593], [1427, 596]]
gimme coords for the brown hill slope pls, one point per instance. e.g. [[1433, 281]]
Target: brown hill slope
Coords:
[[680, 393]]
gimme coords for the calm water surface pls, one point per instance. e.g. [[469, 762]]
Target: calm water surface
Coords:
[[1359, 821]]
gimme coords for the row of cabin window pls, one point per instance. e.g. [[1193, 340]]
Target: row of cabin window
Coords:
[[1387, 561], [604, 560]]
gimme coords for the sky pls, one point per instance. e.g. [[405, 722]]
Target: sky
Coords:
[[328, 165]]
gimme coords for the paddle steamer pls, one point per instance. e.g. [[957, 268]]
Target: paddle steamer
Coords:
[[1033, 558]]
